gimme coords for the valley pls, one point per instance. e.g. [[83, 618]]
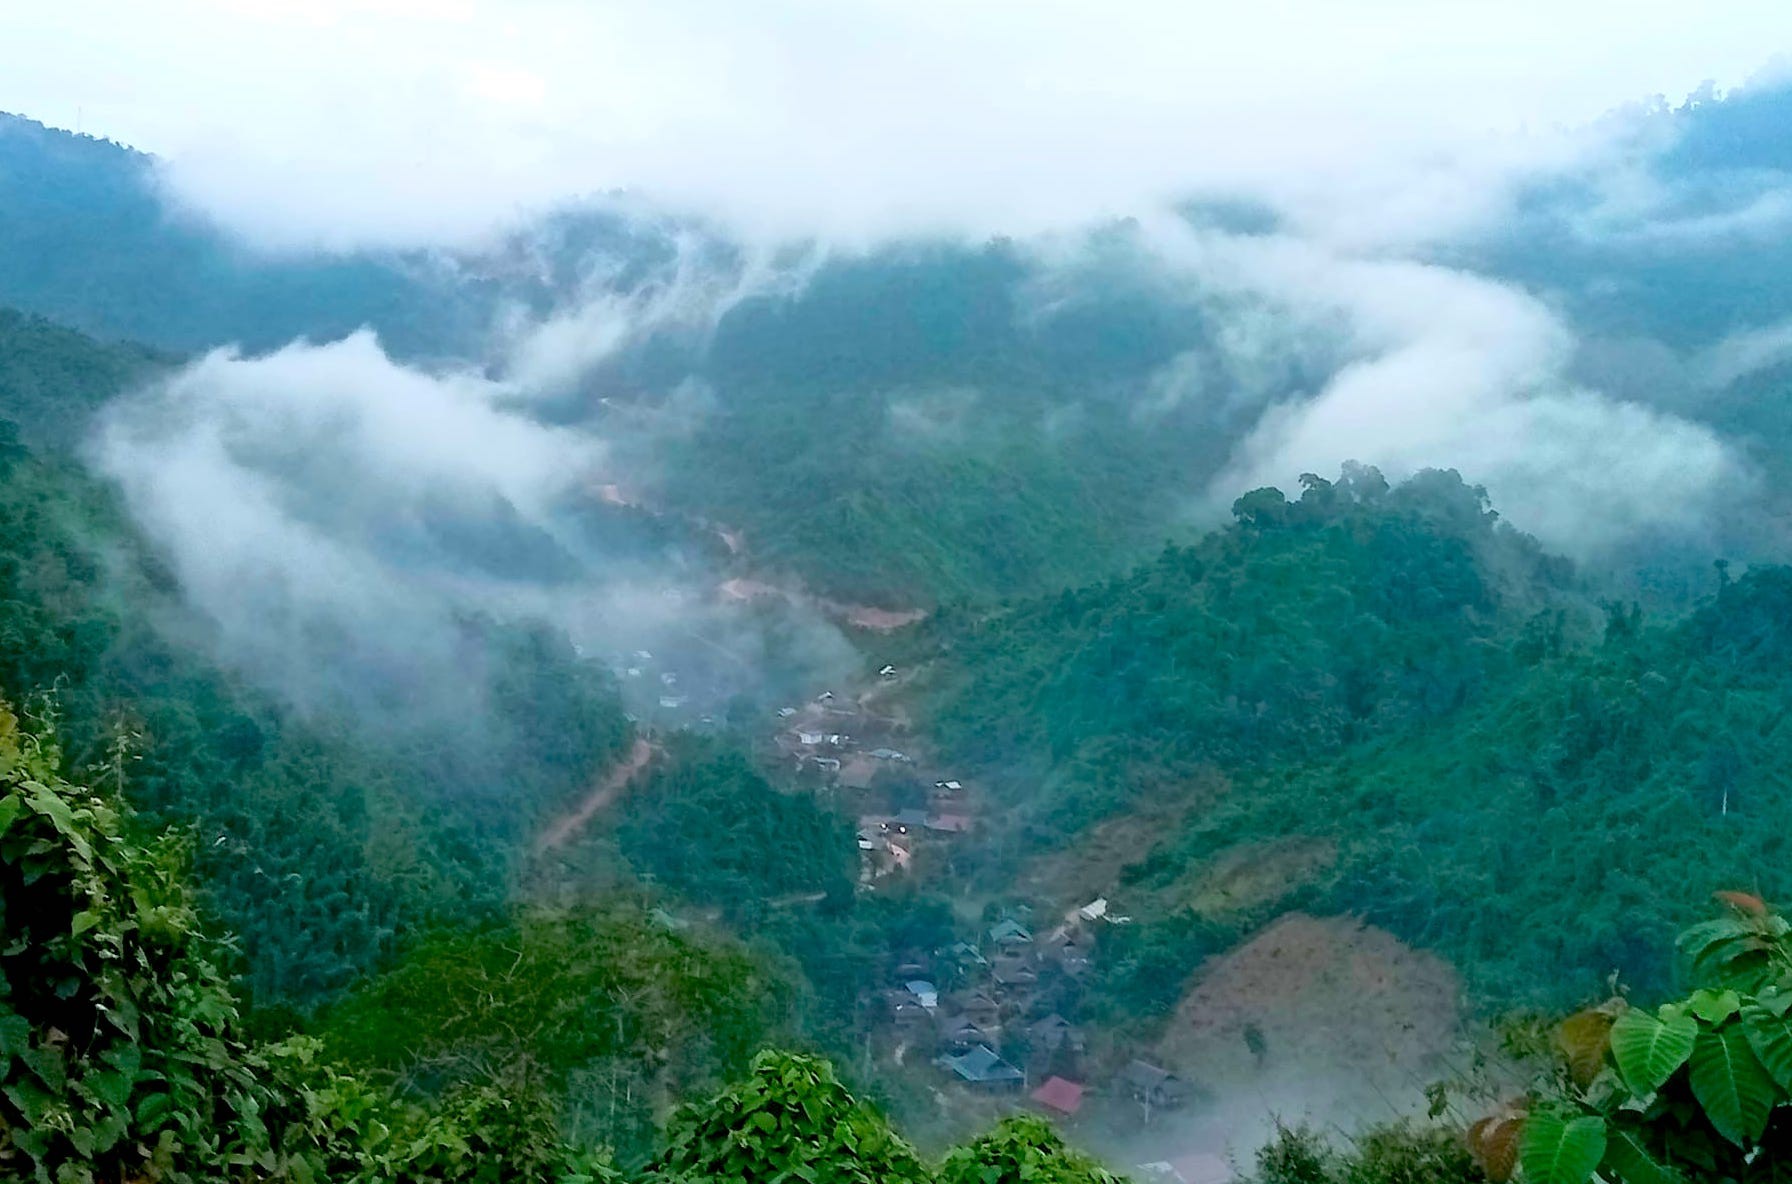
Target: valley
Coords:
[[1221, 693]]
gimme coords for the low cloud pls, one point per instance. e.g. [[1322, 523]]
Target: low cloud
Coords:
[[324, 499], [1447, 369], [337, 516], [347, 124], [1745, 352]]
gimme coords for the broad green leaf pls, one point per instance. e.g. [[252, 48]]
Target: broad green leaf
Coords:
[[153, 1110], [1775, 1000], [1770, 1036], [1714, 1007], [47, 802], [15, 1034], [1731, 1084], [111, 1087], [1697, 940], [1648, 1050], [1627, 1160], [32, 1102], [48, 1062], [10, 805], [1561, 1151]]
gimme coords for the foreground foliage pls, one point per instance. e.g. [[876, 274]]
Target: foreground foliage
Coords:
[[123, 1053], [1401, 1153], [1699, 1088]]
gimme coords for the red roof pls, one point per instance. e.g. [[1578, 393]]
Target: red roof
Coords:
[[1063, 1096]]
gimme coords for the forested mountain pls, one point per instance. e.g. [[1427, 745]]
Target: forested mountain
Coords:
[[890, 653], [944, 424], [320, 841], [1399, 707], [91, 240], [929, 421], [1688, 256], [1304, 627]]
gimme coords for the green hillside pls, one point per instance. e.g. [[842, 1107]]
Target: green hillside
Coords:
[[318, 840], [1385, 702]]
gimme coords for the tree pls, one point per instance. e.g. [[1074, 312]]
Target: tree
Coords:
[[1022, 1150], [790, 1120], [123, 1055], [1699, 1088]]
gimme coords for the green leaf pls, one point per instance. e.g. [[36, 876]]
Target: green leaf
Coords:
[[111, 1087], [153, 1110], [1770, 1036], [49, 803], [1626, 1159], [15, 1034], [1561, 1151], [1648, 1050], [1698, 940], [1731, 1084], [10, 805], [48, 1063], [1775, 1000], [1714, 1007], [31, 1101]]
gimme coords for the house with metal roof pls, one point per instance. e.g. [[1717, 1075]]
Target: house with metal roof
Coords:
[[983, 1069]]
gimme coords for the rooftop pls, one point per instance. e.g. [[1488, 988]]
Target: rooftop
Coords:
[[982, 1066], [1141, 1075], [1066, 1097], [1009, 930]]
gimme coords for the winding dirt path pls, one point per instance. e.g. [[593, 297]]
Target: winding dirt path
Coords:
[[599, 798]]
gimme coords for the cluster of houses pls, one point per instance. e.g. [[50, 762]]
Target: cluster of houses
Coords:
[[684, 699], [887, 842], [823, 736], [833, 737], [996, 1008], [993, 1030]]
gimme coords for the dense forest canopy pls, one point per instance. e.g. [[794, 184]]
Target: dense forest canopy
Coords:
[[922, 422], [1398, 678], [319, 839], [935, 657]]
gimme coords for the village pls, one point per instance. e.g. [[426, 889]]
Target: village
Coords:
[[983, 1018], [985, 1013]]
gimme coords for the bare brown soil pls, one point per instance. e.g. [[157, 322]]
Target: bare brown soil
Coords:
[[1343, 1019], [598, 798], [877, 620]]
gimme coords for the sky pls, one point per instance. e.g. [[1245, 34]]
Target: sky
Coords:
[[303, 123], [1376, 128]]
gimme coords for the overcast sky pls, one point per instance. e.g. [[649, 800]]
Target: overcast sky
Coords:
[[409, 121]]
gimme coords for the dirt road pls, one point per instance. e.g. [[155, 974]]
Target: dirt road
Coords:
[[599, 797]]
